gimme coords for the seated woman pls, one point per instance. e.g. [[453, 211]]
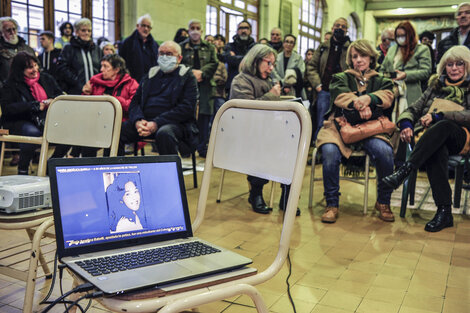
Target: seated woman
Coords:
[[361, 91], [447, 132], [24, 101], [124, 204]]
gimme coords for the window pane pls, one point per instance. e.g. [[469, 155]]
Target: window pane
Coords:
[[98, 6], [240, 4], [36, 18], [60, 5], [75, 6], [97, 30], [226, 1], [19, 13], [254, 28], [39, 3], [252, 8]]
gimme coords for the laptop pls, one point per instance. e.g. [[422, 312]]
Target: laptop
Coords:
[[123, 223]]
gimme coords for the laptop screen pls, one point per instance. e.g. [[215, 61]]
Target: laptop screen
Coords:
[[101, 203]]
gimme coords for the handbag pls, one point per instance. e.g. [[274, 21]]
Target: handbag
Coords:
[[443, 105], [354, 133]]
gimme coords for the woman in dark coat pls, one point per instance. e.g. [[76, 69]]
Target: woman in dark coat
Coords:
[[24, 101], [447, 134]]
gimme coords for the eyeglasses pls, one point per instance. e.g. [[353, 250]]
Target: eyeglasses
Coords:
[[457, 63], [341, 26], [268, 62], [10, 30], [146, 26], [467, 12]]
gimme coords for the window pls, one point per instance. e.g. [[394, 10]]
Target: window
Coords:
[[222, 17], [310, 24], [34, 16], [353, 28]]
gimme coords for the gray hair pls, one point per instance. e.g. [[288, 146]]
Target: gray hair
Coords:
[[455, 53], [145, 17], [463, 4], [341, 18], [8, 19], [107, 43], [81, 22], [173, 44], [250, 62], [194, 21], [387, 31]]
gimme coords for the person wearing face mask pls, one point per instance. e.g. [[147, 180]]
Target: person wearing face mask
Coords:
[[387, 39], [10, 45], [236, 50], [163, 108], [140, 50], [329, 58], [408, 61], [201, 57]]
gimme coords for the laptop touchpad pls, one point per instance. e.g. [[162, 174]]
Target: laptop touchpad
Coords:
[[164, 272]]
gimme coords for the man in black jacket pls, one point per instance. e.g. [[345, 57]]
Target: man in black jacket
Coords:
[[140, 50], [50, 55], [163, 107], [459, 35]]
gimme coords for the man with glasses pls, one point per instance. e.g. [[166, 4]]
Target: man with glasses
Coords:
[[236, 50], [328, 59], [290, 68], [459, 35], [163, 108], [10, 45], [140, 50], [387, 40], [276, 39]]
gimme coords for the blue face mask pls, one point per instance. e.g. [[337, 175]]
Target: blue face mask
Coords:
[[167, 63]]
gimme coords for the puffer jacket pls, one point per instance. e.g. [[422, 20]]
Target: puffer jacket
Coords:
[[7, 52]]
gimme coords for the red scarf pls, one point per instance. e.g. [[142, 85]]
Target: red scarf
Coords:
[[36, 89], [98, 80]]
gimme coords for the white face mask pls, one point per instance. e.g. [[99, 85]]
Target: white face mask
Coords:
[[195, 35], [401, 40], [167, 63]]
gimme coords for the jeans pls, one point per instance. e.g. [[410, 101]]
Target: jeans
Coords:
[[26, 128], [323, 104], [381, 155], [203, 122]]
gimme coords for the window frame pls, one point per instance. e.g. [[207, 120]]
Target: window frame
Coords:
[[309, 32]]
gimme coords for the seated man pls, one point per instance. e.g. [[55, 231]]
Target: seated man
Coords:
[[163, 107]]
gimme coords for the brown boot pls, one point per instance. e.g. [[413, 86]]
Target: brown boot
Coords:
[[330, 215], [385, 214]]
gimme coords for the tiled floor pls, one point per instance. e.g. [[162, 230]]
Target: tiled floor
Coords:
[[359, 264]]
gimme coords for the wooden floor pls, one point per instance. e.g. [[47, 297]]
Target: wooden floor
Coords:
[[359, 264]]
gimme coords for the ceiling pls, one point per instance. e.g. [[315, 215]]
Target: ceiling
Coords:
[[393, 8]]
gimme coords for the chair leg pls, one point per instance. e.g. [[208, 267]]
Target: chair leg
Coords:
[[459, 169], [42, 260], [366, 183], [271, 198], [2, 156], [412, 186], [193, 157], [136, 150], [221, 184], [312, 178]]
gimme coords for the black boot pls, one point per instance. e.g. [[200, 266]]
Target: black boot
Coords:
[[398, 177], [284, 196], [441, 220], [257, 202]]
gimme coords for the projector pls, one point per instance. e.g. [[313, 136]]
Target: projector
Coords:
[[19, 193]]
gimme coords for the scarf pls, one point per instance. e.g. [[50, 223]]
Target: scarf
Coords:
[[98, 80], [454, 90], [39, 94]]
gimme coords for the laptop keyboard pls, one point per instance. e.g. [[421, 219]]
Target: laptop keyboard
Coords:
[[126, 261]]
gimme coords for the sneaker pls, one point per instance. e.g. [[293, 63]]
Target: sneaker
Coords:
[[330, 215]]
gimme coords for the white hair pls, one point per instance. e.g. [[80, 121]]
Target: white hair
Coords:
[[145, 17], [173, 44], [194, 21]]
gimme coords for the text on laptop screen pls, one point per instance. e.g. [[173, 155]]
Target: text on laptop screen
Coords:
[[104, 203]]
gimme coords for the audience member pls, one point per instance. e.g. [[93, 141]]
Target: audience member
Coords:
[[107, 48], [307, 86], [100, 40], [209, 39], [276, 39], [236, 50], [447, 131], [201, 57], [365, 94], [427, 38], [329, 58], [220, 76], [263, 41], [290, 68], [24, 101], [50, 55], [140, 50], [459, 35], [254, 83], [10, 45], [181, 35], [164, 105], [387, 39], [66, 33], [327, 36], [408, 61]]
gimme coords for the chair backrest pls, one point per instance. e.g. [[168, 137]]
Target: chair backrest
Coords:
[[268, 139], [92, 121]]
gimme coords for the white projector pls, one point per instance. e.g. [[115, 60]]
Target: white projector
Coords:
[[19, 193]]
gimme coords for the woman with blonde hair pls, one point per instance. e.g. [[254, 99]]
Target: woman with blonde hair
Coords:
[[444, 109], [359, 94]]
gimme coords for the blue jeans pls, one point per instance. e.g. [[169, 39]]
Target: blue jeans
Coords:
[[323, 104], [381, 155]]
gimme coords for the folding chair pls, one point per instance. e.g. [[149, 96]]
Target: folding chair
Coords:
[[239, 142], [93, 121], [359, 180]]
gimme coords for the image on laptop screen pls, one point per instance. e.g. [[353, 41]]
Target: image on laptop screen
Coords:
[[106, 203]]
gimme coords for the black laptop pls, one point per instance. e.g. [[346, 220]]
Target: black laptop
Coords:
[[122, 223]]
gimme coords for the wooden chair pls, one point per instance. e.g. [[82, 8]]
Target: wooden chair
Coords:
[[239, 142], [359, 180], [93, 121]]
